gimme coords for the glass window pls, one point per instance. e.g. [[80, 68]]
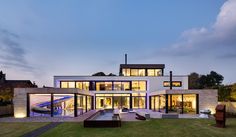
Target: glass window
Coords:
[[64, 85], [135, 85], [142, 85], [125, 85], [151, 72], [134, 72], [86, 86], [79, 85], [138, 102], [141, 72], [126, 72], [71, 84], [190, 103], [139, 85], [63, 105], [103, 86], [174, 83], [158, 72], [117, 85], [40, 105]]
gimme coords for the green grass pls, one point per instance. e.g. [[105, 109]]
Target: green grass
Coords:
[[152, 128], [18, 129]]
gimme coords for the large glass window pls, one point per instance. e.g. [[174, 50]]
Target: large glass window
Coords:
[[139, 100], [40, 105], [82, 85], [125, 86], [141, 72], [134, 72], [190, 103], [117, 86], [100, 86], [80, 104], [139, 85], [67, 84], [63, 105], [154, 72], [126, 72], [175, 103]]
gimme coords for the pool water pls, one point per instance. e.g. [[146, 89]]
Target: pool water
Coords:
[[104, 116]]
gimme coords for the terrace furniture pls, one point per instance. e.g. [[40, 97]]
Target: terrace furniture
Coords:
[[205, 113], [142, 115]]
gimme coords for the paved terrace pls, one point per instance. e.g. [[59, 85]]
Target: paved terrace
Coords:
[[124, 117]]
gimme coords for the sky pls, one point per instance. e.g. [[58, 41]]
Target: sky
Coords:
[[40, 39]]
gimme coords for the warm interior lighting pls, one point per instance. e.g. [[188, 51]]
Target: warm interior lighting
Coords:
[[19, 115]]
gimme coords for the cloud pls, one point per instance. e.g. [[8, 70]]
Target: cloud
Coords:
[[12, 54], [218, 40]]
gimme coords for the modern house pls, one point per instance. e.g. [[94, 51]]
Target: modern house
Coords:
[[138, 86]]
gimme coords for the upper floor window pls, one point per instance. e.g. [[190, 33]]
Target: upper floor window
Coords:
[[82, 85], [154, 72], [67, 84], [174, 83], [103, 86], [121, 86], [139, 86]]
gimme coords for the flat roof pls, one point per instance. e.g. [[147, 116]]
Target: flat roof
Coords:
[[161, 66]]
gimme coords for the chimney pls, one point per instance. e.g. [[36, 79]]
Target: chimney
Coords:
[[125, 58], [171, 80]]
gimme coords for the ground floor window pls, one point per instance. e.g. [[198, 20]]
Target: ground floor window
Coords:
[[58, 104], [40, 105], [175, 103], [120, 101]]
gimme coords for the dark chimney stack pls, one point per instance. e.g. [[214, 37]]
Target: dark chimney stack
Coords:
[[125, 58], [171, 80]]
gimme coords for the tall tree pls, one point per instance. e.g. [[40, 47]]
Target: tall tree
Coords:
[[194, 81]]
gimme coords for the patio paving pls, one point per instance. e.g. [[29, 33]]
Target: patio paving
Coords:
[[124, 117]]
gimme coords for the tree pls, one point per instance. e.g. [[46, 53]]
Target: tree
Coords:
[[212, 80], [194, 81], [233, 92], [224, 93], [99, 74]]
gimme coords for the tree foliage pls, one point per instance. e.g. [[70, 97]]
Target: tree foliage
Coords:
[[210, 81]]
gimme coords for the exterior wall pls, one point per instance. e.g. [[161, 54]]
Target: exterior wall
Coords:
[[153, 83], [20, 97]]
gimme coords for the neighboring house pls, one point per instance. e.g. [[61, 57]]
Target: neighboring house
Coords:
[[7, 86], [138, 86]]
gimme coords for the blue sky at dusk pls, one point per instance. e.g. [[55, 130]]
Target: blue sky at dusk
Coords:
[[40, 39]]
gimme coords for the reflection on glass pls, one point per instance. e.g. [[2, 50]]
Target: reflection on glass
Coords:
[[63, 105], [40, 105]]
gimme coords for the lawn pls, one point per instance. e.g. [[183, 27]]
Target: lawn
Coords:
[[152, 128], [17, 129]]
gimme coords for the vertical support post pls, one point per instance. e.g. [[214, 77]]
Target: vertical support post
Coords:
[[182, 104], [86, 103], [150, 102], [146, 101], [166, 103], [197, 103], [52, 110], [159, 104], [171, 80], [130, 101], [75, 105], [28, 105]]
